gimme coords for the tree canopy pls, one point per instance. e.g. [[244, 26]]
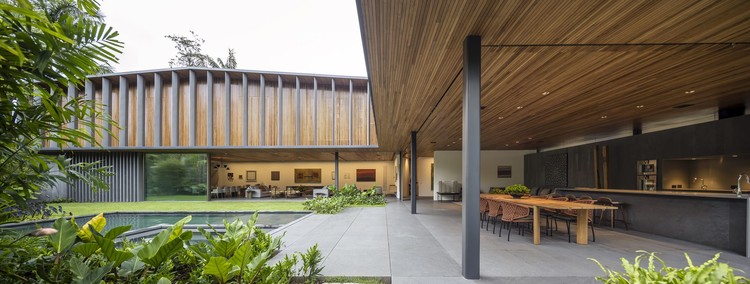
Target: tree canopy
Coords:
[[190, 54], [43, 49]]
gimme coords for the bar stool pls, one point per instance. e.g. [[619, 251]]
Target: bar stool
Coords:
[[621, 207]]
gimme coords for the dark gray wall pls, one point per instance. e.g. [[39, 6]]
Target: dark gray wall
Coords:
[[726, 136], [126, 185]]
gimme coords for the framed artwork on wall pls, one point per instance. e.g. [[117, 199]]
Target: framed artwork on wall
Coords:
[[307, 176], [275, 175], [251, 176], [504, 171], [365, 175]]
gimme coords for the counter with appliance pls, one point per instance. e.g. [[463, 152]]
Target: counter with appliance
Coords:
[[718, 220]]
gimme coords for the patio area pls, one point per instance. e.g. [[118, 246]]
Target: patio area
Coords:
[[389, 242]]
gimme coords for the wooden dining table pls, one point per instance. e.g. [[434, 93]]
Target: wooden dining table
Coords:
[[581, 209]]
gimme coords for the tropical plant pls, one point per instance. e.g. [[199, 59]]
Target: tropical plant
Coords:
[[349, 195], [41, 54], [190, 54], [311, 268], [517, 189], [712, 271]]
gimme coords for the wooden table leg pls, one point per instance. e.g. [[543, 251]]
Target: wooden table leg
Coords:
[[537, 229], [582, 226]]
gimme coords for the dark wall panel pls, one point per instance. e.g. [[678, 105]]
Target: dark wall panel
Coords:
[[126, 185], [721, 137]]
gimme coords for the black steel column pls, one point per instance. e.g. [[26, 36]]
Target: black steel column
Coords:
[[470, 157], [413, 172], [400, 176], [336, 170]]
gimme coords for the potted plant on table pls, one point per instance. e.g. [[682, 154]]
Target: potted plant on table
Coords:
[[517, 190]]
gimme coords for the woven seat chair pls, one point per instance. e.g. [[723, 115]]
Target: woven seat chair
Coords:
[[495, 210], [483, 207], [548, 215], [569, 216], [515, 214]]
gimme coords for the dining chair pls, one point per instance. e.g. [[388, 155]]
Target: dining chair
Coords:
[[548, 215], [515, 214], [571, 197], [584, 197], [483, 207], [570, 216], [215, 192], [606, 201], [494, 210]]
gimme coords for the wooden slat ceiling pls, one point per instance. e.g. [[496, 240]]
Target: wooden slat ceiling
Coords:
[[594, 58]]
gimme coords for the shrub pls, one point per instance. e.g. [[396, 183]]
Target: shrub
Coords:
[[88, 254], [711, 271], [325, 205], [517, 189]]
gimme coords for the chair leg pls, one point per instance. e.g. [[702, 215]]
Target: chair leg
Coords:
[[567, 224], [500, 234], [494, 224], [510, 226], [593, 236]]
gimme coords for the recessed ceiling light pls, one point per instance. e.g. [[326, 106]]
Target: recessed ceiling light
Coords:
[[501, 117], [604, 116], [506, 145], [519, 107], [545, 93], [529, 138], [639, 106], [518, 142], [460, 138], [454, 142], [734, 156], [690, 92]]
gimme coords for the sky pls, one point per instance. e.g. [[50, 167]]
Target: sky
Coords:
[[318, 37]]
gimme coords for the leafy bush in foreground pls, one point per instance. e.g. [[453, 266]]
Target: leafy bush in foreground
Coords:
[[69, 254], [711, 271]]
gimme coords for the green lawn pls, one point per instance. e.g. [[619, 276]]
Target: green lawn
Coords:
[[99, 207], [176, 198]]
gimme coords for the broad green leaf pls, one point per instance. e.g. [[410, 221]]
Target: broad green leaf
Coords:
[[131, 266], [242, 256], [220, 268], [163, 253], [110, 252], [97, 223], [177, 231], [65, 237], [164, 280], [86, 249], [115, 232]]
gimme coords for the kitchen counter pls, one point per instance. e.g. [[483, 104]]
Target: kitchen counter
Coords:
[[679, 193], [715, 219]]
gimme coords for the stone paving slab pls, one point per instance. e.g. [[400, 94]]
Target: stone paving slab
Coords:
[[426, 248]]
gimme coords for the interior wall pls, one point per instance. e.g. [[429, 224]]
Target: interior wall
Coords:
[[347, 173], [424, 165], [448, 166]]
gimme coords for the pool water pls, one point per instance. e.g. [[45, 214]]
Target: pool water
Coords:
[[141, 220]]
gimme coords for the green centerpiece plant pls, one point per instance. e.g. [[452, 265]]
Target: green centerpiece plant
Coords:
[[517, 190]]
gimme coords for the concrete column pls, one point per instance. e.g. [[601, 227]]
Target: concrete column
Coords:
[[470, 157], [400, 176], [413, 172]]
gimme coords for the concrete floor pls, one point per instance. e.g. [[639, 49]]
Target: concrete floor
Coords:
[[389, 242]]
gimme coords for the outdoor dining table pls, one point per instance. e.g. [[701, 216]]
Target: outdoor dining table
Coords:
[[581, 209]]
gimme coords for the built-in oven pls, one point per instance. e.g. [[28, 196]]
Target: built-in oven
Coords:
[[646, 175]]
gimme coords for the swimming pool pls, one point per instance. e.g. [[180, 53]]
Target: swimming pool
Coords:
[[149, 221]]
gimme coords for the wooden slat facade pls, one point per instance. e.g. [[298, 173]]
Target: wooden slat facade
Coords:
[[288, 111]]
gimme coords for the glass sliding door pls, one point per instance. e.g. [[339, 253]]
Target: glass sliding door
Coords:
[[176, 177]]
